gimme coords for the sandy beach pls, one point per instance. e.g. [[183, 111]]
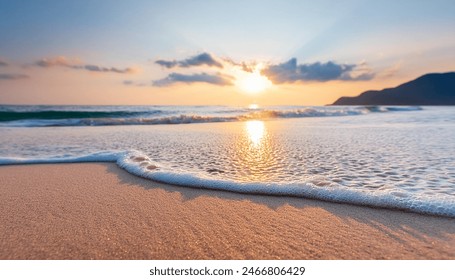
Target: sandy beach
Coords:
[[99, 211]]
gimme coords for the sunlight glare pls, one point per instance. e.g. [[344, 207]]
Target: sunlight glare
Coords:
[[255, 131], [253, 82]]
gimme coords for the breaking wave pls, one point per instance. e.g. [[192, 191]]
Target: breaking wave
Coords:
[[42, 116]]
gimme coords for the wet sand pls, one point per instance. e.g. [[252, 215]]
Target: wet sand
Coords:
[[99, 211]]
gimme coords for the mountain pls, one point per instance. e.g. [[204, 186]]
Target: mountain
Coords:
[[429, 89]]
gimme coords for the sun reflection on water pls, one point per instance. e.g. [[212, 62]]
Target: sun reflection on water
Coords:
[[253, 106], [254, 155], [255, 131]]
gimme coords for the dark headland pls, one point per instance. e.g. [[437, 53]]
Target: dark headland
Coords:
[[429, 89]]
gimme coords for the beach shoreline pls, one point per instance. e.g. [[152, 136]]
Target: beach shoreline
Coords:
[[99, 211]]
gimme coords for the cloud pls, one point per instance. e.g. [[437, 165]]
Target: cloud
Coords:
[[167, 63], [96, 68], [76, 64], [198, 60], [392, 70], [5, 76], [287, 72], [57, 61], [218, 79], [135, 83], [290, 71], [245, 66], [360, 72], [3, 63]]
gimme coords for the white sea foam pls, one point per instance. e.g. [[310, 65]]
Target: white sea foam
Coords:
[[435, 205], [95, 157], [140, 164]]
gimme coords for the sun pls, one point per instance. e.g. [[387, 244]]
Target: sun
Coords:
[[252, 82]]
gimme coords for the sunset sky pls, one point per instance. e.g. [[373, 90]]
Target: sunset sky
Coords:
[[217, 52]]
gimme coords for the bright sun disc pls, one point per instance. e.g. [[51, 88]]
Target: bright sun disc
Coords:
[[253, 82]]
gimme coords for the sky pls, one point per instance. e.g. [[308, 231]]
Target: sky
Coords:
[[217, 52]]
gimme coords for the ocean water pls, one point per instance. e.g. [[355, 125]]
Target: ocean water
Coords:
[[377, 156]]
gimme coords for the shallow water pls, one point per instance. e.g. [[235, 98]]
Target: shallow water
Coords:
[[389, 158]]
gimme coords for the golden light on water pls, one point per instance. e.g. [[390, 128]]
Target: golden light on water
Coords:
[[253, 106], [255, 131], [254, 152]]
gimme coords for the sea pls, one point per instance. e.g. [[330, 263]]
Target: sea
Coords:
[[391, 157]]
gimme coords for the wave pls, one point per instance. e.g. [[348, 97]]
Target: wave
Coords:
[[58, 115], [139, 164], [392, 109], [181, 115]]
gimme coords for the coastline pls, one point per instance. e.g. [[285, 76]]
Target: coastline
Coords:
[[99, 211]]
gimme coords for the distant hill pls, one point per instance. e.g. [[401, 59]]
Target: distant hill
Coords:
[[429, 89]]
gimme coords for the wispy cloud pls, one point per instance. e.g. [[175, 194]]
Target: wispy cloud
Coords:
[[392, 70], [360, 72], [76, 64], [198, 60], [136, 83], [290, 71], [96, 68], [10, 76], [3, 63], [7, 76], [57, 61], [245, 66], [218, 79]]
